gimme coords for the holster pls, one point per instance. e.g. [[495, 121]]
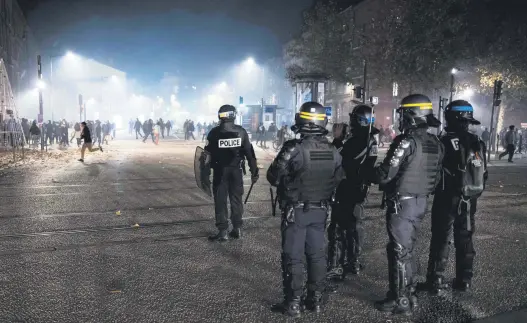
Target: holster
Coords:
[[396, 202], [288, 214]]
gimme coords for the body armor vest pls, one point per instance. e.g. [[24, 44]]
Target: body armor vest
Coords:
[[316, 181], [420, 176], [227, 145]]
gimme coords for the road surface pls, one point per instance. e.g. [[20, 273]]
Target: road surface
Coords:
[[122, 238]]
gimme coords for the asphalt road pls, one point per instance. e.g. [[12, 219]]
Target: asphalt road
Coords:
[[122, 238]]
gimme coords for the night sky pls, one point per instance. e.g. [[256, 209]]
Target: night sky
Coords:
[[192, 39]]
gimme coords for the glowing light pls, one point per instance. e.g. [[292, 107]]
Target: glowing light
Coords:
[[251, 61], [71, 56], [454, 70], [468, 93], [41, 84]]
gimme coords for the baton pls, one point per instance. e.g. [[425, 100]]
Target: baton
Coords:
[[248, 194], [273, 201], [383, 202]]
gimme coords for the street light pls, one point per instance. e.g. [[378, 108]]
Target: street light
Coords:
[[468, 93], [41, 85], [452, 73]]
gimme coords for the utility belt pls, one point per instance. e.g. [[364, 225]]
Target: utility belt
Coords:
[[289, 213], [396, 199]]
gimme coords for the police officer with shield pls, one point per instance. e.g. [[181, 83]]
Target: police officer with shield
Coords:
[[455, 201], [408, 175], [228, 145], [306, 172], [346, 231]]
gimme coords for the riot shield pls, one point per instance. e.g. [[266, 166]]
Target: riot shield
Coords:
[[202, 170]]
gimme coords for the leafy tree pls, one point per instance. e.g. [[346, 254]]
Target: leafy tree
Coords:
[[418, 42], [321, 47]]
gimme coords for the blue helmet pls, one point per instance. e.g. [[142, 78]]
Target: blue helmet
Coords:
[[460, 111], [362, 116]]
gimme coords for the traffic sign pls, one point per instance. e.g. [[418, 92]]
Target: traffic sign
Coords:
[[328, 111], [374, 100], [241, 100]]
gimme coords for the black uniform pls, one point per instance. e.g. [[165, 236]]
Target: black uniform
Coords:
[[409, 173], [346, 231], [453, 214], [229, 146], [306, 172]]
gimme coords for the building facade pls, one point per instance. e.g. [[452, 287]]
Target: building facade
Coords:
[[18, 52], [18, 47]]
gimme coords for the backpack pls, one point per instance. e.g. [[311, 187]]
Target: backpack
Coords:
[[472, 169]]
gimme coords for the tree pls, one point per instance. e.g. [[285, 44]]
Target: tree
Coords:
[[417, 43], [321, 47]]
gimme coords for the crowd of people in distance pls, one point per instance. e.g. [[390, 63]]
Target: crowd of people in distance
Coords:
[[54, 132], [149, 128], [272, 133], [202, 129]]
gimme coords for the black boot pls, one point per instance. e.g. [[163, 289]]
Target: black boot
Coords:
[[221, 236], [314, 302], [436, 286], [461, 285], [236, 233], [395, 305], [354, 267], [335, 252]]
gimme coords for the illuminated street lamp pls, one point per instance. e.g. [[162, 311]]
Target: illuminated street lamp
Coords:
[[468, 93], [452, 73], [41, 85]]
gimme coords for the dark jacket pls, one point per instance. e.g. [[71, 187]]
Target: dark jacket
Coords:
[[86, 135]]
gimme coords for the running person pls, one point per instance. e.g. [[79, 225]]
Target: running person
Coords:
[[86, 135]]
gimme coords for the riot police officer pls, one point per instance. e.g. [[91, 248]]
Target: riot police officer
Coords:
[[229, 145], [409, 173], [455, 201], [306, 172], [346, 231]]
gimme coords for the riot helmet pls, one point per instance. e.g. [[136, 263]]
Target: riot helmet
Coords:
[[362, 116], [227, 113], [311, 119], [416, 111], [459, 115]]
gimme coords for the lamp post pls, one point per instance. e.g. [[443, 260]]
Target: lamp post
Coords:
[[452, 73]]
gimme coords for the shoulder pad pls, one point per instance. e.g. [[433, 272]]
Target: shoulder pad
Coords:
[[288, 148], [290, 144], [399, 151]]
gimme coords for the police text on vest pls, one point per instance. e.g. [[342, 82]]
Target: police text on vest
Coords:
[[230, 143]]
